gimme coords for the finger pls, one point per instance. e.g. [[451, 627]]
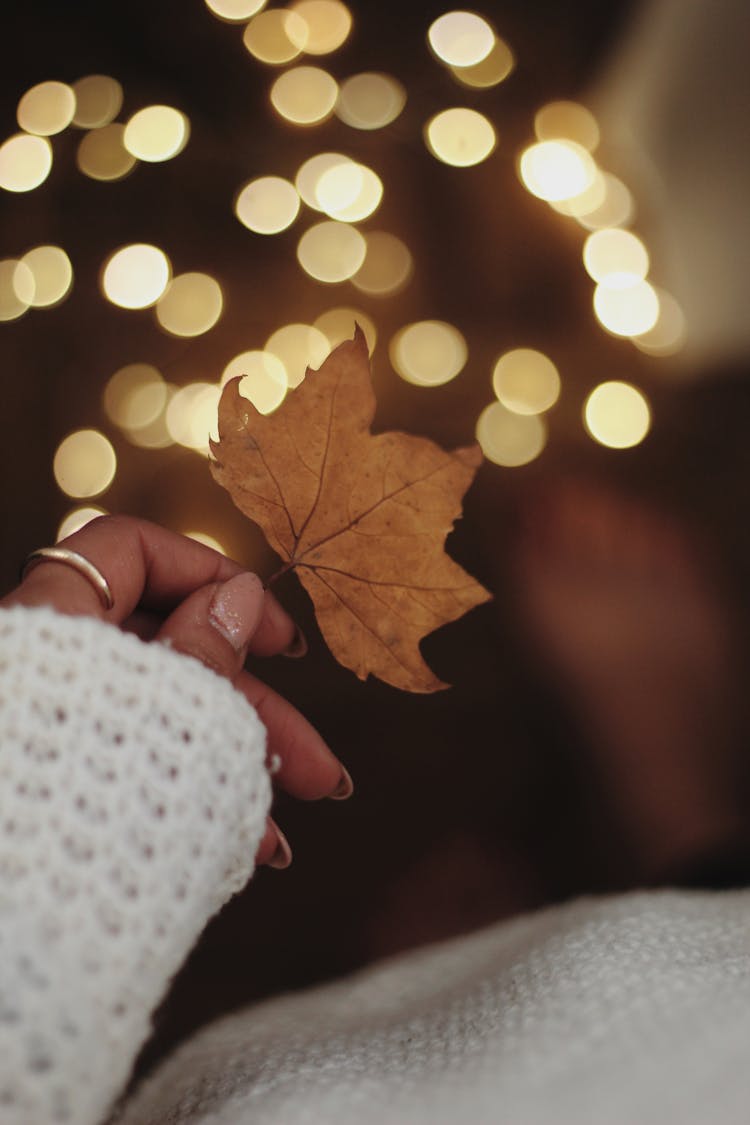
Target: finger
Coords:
[[216, 623], [298, 757], [274, 850], [141, 561]]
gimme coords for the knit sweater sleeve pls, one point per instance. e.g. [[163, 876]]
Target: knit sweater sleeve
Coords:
[[133, 796]]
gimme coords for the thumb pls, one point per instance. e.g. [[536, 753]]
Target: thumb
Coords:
[[216, 623]]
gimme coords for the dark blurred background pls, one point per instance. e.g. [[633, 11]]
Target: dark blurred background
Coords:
[[480, 801]]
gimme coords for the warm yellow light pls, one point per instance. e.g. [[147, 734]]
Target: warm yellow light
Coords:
[[235, 11], [298, 346], [668, 335], [153, 434], [555, 170], [310, 173], [616, 258], [267, 205], [526, 381], [328, 24], [627, 312], [460, 136], [304, 95], [461, 38], [135, 396], [490, 71], [135, 276], [428, 352], [349, 192], [587, 201], [46, 109], [98, 101], [567, 121], [331, 252], [156, 133], [190, 305], [16, 289], [76, 519], [338, 325], [276, 36], [617, 415], [264, 380], [84, 464], [387, 267], [510, 439], [370, 100], [102, 154], [25, 162], [192, 415], [52, 273], [616, 209]]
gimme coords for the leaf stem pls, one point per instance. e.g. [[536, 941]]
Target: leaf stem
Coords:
[[278, 574]]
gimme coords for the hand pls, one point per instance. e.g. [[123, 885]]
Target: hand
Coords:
[[168, 588]]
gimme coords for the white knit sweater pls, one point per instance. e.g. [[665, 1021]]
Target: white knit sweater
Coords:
[[132, 799]]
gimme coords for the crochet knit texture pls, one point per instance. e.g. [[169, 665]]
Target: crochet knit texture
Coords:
[[133, 796]]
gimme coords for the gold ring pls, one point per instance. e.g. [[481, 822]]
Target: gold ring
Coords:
[[78, 562]]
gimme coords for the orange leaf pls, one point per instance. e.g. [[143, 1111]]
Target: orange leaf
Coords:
[[362, 518]]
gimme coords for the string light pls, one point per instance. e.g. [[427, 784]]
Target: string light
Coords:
[[135, 276], [276, 36], [135, 396], [617, 415], [297, 346], [46, 109], [235, 11], [509, 439], [555, 170], [387, 267], [263, 379], [84, 464], [156, 133], [616, 258], [338, 325], [669, 332], [304, 95], [370, 100], [627, 312], [328, 24], [460, 136], [98, 100], [191, 415], [428, 353], [331, 252], [16, 289], [568, 121], [491, 71], [267, 205], [25, 162], [76, 519], [52, 274], [461, 38], [349, 192], [526, 381], [190, 305], [102, 154]]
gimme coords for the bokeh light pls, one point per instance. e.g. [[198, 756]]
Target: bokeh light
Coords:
[[616, 209], [627, 312], [328, 24], [76, 519], [25, 162], [615, 258], [490, 71], [331, 252], [207, 541], [267, 205], [192, 415], [669, 333], [526, 381], [298, 346], [84, 464], [135, 276], [264, 380], [102, 154], [461, 38], [617, 415], [46, 109], [276, 36], [135, 396], [387, 267], [509, 439], [555, 170], [16, 289], [587, 201], [153, 434], [370, 100], [52, 272], [567, 121], [428, 353], [156, 133], [460, 136], [304, 95], [235, 11], [349, 192], [98, 101], [338, 325], [309, 175], [190, 305]]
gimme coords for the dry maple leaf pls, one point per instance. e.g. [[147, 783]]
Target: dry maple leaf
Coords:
[[361, 517]]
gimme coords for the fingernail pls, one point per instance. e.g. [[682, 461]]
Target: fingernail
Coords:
[[297, 646], [345, 787], [236, 608], [282, 857]]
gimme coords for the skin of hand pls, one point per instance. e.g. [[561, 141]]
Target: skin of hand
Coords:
[[170, 589]]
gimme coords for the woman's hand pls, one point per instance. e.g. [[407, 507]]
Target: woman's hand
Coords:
[[168, 588]]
